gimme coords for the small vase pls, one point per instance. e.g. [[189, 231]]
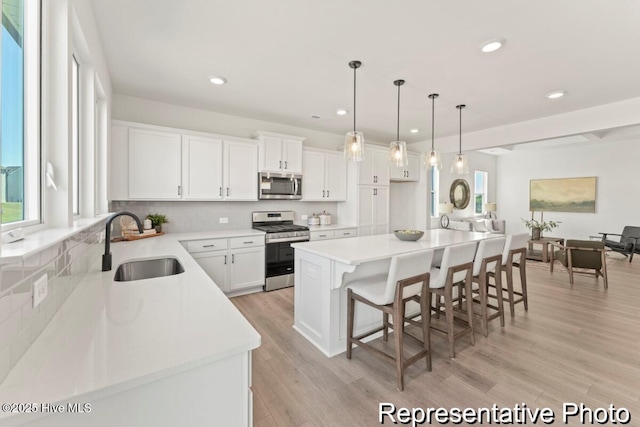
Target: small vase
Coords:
[[536, 234], [159, 228]]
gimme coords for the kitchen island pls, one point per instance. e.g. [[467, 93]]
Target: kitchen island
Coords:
[[164, 351], [323, 268]]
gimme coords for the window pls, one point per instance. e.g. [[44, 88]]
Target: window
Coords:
[[434, 178], [480, 191], [19, 113], [75, 133]]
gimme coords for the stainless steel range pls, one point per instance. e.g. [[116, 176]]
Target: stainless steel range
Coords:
[[279, 258]]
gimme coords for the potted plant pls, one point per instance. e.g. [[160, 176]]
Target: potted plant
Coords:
[[157, 220], [537, 227]]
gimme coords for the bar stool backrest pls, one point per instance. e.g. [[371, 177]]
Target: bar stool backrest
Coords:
[[403, 267], [455, 255], [514, 241], [488, 248]]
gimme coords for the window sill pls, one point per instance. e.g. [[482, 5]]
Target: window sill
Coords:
[[41, 240]]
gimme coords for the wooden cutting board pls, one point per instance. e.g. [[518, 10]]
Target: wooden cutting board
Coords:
[[135, 237]]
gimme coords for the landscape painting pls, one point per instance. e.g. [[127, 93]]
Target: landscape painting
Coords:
[[563, 195]]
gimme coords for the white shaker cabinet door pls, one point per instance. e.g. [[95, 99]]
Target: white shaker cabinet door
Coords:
[[241, 174], [246, 268], [292, 156], [155, 170], [202, 168], [215, 265], [381, 208], [271, 154], [313, 188]]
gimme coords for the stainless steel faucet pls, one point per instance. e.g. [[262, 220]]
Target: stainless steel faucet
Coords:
[[106, 258]]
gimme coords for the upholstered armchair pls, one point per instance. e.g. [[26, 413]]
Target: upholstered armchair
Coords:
[[583, 255], [628, 243]]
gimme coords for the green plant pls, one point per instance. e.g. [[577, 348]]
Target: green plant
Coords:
[[542, 225], [157, 219]]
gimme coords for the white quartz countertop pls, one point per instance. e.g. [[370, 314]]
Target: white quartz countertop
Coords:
[[382, 246], [220, 234], [111, 336], [328, 227]]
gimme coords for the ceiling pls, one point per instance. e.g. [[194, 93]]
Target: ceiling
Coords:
[[286, 61]]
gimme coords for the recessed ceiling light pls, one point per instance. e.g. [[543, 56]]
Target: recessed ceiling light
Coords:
[[492, 45], [217, 80], [414, 130], [557, 94], [342, 112]]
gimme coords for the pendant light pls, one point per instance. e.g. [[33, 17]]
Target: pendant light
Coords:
[[398, 149], [354, 140], [432, 158], [460, 164]]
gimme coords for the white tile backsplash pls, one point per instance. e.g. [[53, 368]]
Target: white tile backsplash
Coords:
[[64, 264]]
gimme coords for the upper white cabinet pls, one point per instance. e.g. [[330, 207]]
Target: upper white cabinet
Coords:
[[154, 164], [374, 169], [240, 170], [202, 168], [411, 172], [324, 176], [279, 153]]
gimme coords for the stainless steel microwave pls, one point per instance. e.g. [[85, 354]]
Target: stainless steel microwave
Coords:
[[279, 186]]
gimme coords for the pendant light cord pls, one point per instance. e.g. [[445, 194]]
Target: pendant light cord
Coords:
[[433, 118], [398, 124], [460, 146], [354, 100]]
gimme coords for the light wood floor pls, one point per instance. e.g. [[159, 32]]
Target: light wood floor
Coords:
[[577, 343]]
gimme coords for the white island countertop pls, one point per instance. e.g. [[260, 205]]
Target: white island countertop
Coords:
[[357, 250], [112, 336]]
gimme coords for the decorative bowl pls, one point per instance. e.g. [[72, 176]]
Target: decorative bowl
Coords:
[[408, 235]]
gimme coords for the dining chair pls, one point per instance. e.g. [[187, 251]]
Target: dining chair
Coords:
[[514, 256], [487, 264], [456, 266], [407, 279]]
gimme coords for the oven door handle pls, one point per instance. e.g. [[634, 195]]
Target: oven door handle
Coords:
[[289, 239]]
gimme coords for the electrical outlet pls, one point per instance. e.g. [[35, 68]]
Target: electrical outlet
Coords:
[[304, 217], [40, 290], [224, 220]]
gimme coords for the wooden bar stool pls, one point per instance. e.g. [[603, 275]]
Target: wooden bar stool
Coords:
[[408, 277], [488, 263], [514, 255], [456, 266]]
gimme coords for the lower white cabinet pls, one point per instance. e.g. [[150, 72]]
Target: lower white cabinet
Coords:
[[234, 264]]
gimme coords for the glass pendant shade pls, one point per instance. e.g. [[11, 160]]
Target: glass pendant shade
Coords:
[[460, 165], [354, 146], [398, 154], [432, 160]]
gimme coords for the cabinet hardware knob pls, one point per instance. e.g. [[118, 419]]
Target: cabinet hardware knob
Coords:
[[208, 246], [225, 260], [233, 258], [323, 194], [220, 191], [179, 191], [247, 243], [280, 164], [327, 193], [227, 191], [285, 164]]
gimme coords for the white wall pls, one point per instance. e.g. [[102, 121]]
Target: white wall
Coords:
[[615, 165], [158, 113]]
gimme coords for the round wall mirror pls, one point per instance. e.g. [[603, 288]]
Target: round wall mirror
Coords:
[[460, 194]]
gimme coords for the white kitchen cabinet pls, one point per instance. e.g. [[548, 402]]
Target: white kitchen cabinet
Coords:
[[279, 153], [324, 176], [373, 210], [411, 172], [202, 168], [240, 170], [155, 170], [374, 169], [234, 264], [332, 234]]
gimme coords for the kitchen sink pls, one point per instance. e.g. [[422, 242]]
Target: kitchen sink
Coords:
[[147, 269]]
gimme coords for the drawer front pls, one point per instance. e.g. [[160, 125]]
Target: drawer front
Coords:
[[246, 242], [206, 245], [347, 232], [321, 235]]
